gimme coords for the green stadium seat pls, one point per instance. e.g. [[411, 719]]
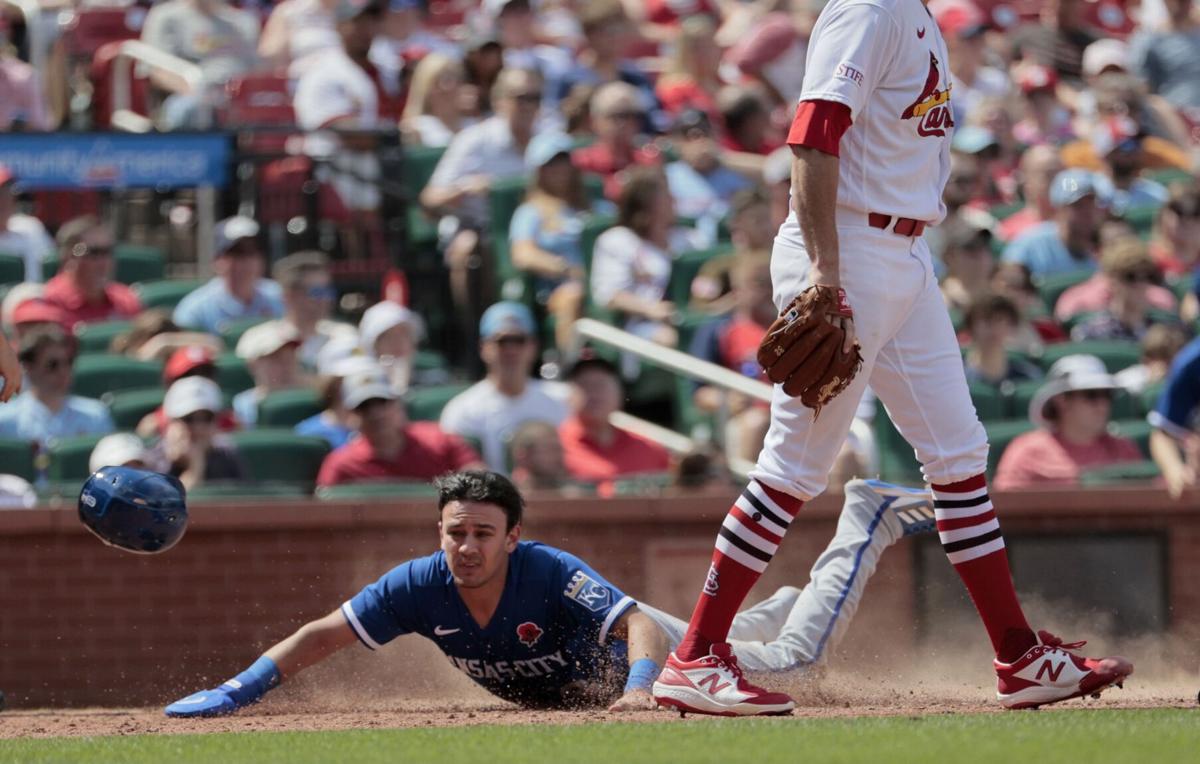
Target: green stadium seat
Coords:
[[234, 330], [402, 489], [1181, 286], [286, 408], [989, 403], [684, 269], [233, 376], [425, 404], [1052, 287], [649, 483], [96, 337], [1172, 175], [166, 293], [12, 269], [418, 165], [897, 461], [1002, 211], [1145, 470], [1116, 354], [69, 458], [128, 407], [1137, 430], [1000, 434], [274, 454], [134, 264], [259, 491], [427, 360], [1149, 397], [503, 199], [18, 458], [100, 373]]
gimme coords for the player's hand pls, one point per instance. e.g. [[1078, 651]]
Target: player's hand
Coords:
[[216, 702], [634, 700], [10, 369]]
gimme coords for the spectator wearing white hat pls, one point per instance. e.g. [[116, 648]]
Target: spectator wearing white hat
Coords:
[[388, 446], [389, 334], [238, 291], [121, 449], [491, 410], [308, 297], [192, 449], [1072, 411], [271, 350]]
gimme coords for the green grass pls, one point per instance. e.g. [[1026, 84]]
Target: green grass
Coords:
[[1142, 736]]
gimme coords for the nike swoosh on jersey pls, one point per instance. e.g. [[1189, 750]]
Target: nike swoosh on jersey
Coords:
[[921, 33], [442, 631]]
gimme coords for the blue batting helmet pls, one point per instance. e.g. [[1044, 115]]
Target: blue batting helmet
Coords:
[[135, 510]]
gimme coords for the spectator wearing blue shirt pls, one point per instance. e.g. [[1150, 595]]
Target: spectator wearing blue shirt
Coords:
[[239, 290], [545, 231], [1069, 241], [700, 184], [1175, 442], [46, 410]]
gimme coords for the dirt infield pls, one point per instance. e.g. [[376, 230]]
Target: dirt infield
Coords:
[[828, 699]]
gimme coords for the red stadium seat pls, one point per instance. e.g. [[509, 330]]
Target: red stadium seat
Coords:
[[92, 28], [261, 98], [100, 73]]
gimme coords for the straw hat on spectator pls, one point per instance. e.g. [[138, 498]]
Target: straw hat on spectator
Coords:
[[266, 338], [1068, 374], [117, 450]]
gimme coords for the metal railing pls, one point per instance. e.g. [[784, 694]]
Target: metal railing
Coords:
[[680, 363]]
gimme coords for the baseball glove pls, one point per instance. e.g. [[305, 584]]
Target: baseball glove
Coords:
[[803, 351]]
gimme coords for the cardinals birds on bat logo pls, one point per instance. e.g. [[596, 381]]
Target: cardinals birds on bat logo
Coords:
[[529, 633], [932, 107]]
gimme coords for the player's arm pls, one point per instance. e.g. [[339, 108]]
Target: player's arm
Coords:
[[310, 644], [647, 650], [10, 369]]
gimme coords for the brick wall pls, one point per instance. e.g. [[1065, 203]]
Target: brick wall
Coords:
[[82, 624]]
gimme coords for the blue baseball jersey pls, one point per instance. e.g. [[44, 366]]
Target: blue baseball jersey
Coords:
[[551, 629], [1178, 409]]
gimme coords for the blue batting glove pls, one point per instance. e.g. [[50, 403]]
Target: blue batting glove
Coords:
[[245, 688]]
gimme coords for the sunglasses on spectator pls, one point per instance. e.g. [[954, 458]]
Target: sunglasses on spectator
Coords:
[[528, 98], [512, 340], [54, 364], [321, 292], [92, 250], [625, 115], [243, 248], [1138, 277], [200, 417], [1091, 395]]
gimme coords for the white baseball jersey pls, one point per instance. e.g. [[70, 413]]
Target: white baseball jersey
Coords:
[[887, 62]]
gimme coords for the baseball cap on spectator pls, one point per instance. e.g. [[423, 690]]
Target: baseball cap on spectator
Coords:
[[339, 347], [38, 311], [365, 386], [962, 20], [1035, 78], [972, 139], [1115, 133], [117, 450], [192, 394], [778, 166], [266, 338], [186, 361], [1068, 374], [545, 147], [383, 316], [1104, 55], [506, 318], [19, 293], [232, 230], [1069, 186], [962, 235]]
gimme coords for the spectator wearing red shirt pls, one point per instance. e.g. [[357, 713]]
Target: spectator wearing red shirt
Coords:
[[617, 116], [693, 79], [84, 289], [1072, 412], [388, 446], [1125, 258], [594, 450]]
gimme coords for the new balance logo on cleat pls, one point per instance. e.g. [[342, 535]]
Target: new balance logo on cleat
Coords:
[[1049, 673], [715, 685]]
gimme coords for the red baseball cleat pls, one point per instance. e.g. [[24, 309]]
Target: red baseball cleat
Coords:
[[715, 685], [1049, 673]]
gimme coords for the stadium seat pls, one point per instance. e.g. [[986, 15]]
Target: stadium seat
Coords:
[[989, 403], [418, 165], [503, 199], [227, 491], [403, 489], [649, 483], [897, 461], [96, 337], [1052, 287], [425, 404], [69, 458], [233, 376], [1000, 434], [18, 458], [1116, 354], [684, 269], [1120, 473], [100, 373], [280, 455], [12, 269], [427, 360], [128, 407], [166, 293], [233, 331], [1149, 398], [1137, 430], [286, 408]]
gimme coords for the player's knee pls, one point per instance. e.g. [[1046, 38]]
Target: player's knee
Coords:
[[968, 459]]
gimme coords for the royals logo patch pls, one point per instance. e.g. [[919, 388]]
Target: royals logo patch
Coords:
[[591, 594], [529, 633]]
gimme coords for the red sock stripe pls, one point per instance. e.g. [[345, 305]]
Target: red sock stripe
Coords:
[[789, 504], [748, 521], [965, 522], [962, 486]]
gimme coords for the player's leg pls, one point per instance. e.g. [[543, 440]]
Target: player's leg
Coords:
[[920, 380], [874, 517]]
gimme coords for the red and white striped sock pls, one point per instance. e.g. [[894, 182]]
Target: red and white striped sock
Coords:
[[970, 535], [747, 541]]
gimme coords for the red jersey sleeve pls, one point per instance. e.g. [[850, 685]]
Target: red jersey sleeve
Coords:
[[820, 125]]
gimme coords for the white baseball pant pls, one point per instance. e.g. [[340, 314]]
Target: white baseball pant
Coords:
[[911, 359], [796, 628]]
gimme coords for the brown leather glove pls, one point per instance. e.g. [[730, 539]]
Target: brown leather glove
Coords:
[[803, 352]]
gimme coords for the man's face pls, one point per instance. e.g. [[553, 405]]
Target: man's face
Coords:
[[50, 372], [698, 149], [91, 260], [313, 298], [598, 394], [397, 342], [992, 331], [242, 263], [519, 103], [277, 370], [378, 418], [359, 32], [1083, 218], [619, 122], [1085, 411], [509, 353], [200, 427], [971, 262], [476, 543]]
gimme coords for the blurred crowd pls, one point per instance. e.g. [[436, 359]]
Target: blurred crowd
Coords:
[[642, 147]]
